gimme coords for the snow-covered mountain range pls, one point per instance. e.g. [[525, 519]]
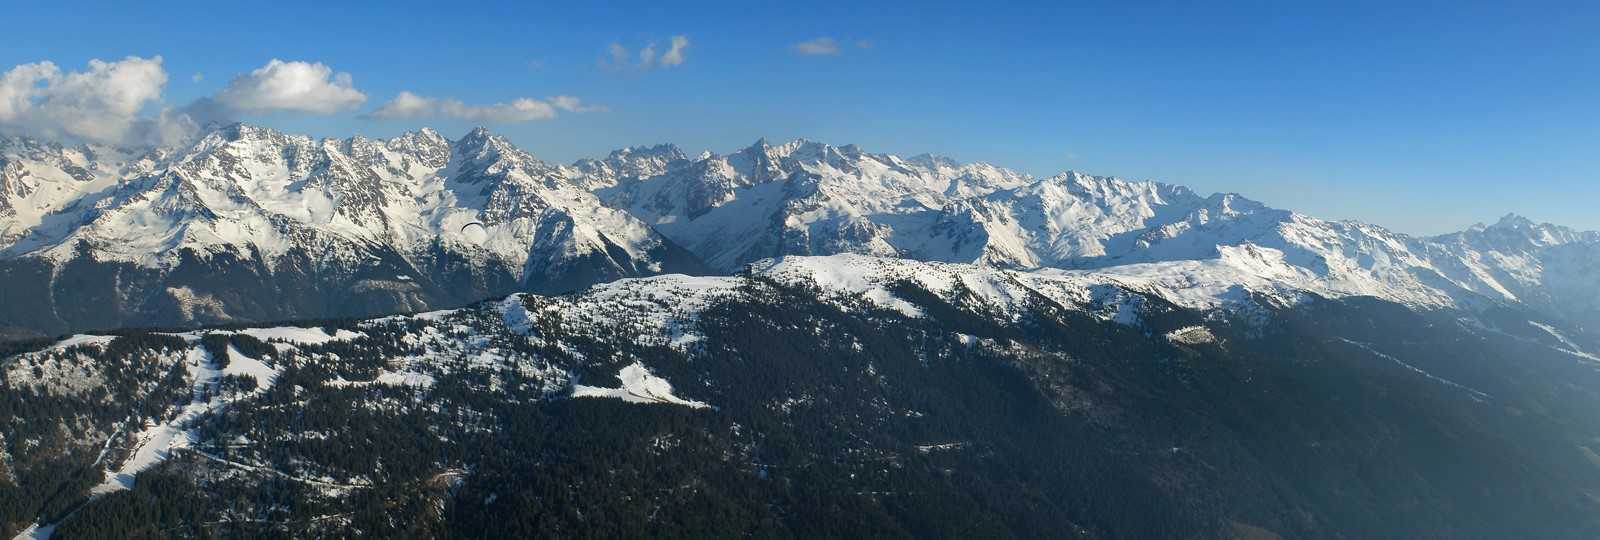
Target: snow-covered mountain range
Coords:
[[810, 198], [253, 224], [783, 317], [249, 223]]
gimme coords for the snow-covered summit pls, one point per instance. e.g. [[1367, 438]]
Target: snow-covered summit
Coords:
[[626, 164], [1513, 233]]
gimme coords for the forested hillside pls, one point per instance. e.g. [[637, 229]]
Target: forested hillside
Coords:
[[767, 406]]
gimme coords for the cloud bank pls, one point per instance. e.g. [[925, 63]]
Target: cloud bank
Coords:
[[120, 102], [102, 103]]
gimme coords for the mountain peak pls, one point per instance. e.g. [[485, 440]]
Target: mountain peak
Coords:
[[424, 135], [660, 151], [480, 140], [933, 161], [478, 137], [634, 161], [261, 130], [1515, 233], [240, 130], [1513, 221], [241, 133]]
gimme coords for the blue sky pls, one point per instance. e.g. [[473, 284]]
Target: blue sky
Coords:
[[1423, 117]]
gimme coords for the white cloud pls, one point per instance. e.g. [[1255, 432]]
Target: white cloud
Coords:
[[292, 86], [618, 57], [517, 111], [102, 103], [120, 102], [408, 105], [169, 127], [619, 54], [20, 84], [822, 46], [572, 104], [197, 77], [827, 46], [647, 56], [674, 54]]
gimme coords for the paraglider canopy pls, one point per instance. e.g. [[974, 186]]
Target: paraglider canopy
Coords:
[[474, 232]]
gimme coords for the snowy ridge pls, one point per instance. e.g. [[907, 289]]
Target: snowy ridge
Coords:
[[1242, 279], [800, 198], [1222, 284], [255, 190], [655, 309], [405, 222], [808, 198], [664, 308]]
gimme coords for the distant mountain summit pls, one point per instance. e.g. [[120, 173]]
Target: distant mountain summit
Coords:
[[250, 223]]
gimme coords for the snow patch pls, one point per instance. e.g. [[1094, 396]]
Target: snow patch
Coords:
[[1192, 335], [390, 378], [1475, 394], [83, 339], [155, 442], [241, 365], [516, 314], [36, 532], [303, 336], [638, 386], [1571, 348]]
